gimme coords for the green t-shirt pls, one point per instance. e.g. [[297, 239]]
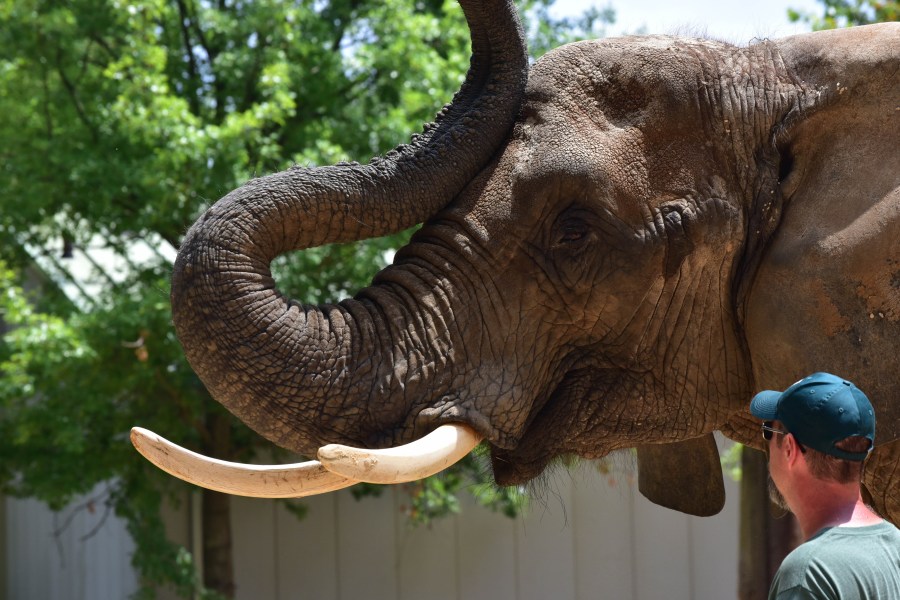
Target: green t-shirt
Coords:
[[842, 563]]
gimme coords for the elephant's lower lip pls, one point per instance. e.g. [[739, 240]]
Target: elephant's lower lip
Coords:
[[511, 468], [457, 411]]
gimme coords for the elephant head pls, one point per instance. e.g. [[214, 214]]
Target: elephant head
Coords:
[[617, 253]]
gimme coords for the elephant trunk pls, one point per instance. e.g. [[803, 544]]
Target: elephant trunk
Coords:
[[289, 370]]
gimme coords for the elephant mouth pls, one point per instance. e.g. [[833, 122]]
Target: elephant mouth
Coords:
[[338, 466]]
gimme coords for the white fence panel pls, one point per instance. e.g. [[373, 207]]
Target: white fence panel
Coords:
[[79, 553], [588, 535], [604, 539]]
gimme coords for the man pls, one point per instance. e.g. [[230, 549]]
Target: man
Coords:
[[818, 432]]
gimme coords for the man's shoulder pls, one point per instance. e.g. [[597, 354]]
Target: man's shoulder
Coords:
[[820, 566], [836, 540], [885, 530], [794, 570], [796, 563], [891, 529]]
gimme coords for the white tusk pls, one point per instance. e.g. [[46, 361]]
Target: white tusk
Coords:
[[416, 460], [258, 481]]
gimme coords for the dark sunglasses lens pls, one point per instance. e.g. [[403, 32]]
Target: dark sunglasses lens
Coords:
[[767, 434]]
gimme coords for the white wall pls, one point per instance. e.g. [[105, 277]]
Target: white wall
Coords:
[[589, 535], [80, 553]]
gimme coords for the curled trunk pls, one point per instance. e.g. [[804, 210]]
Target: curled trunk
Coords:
[[289, 370]]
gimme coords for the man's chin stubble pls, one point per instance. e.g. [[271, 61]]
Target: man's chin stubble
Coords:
[[776, 497]]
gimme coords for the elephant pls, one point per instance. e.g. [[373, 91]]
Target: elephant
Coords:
[[620, 244]]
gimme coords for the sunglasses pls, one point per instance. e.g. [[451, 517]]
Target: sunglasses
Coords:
[[768, 430]]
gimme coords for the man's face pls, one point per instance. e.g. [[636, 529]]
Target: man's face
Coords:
[[775, 495], [776, 466]]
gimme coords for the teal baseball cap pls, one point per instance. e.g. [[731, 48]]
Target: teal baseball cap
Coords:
[[819, 411]]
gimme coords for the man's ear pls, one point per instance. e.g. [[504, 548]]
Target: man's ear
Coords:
[[791, 449]]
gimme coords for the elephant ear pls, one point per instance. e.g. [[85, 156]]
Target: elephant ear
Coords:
[[881, 481], [825, 294], [684, 476]]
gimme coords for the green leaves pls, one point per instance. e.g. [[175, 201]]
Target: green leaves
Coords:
[[546, 33], [846, 13], [438, 496]]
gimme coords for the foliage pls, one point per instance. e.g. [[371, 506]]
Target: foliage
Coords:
[[122, 121], [546, 33], [731, 462], [844, 13], [69, 394], [438, 496]]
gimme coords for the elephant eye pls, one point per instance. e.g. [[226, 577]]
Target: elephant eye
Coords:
[[573, 237], [571, 228], [572, 234]]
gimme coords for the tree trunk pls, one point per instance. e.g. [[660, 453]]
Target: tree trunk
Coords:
[[218, 564], [766, 535]]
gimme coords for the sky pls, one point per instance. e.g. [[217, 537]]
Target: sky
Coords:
[[736, 21]]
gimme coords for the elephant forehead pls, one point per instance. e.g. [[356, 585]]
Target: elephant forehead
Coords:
[[572, 159], [621, 115], [627, 170], [626, 78]]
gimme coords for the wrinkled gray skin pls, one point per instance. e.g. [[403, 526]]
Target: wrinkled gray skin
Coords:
[[669, 226]]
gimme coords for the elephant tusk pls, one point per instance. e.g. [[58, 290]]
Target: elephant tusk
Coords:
[[424, 457], [258, 481]]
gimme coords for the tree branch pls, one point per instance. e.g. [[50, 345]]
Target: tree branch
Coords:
[[193, 70], [73, 93], [48, 116], [88, 505], [195, 21], [211, 55], [177, 397], [103, 44]]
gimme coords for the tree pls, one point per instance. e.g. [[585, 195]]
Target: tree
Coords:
[[122, 121], [845, 13]]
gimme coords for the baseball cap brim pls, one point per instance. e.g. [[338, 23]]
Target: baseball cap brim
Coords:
[[765, 405]]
